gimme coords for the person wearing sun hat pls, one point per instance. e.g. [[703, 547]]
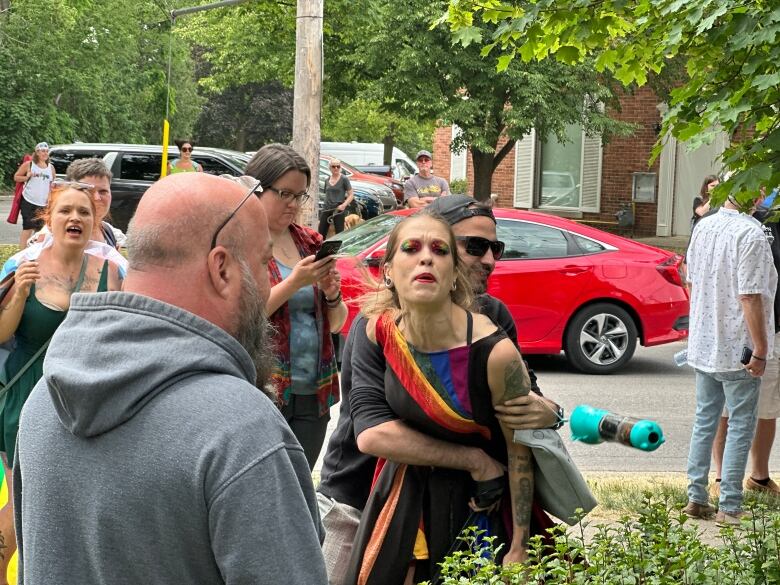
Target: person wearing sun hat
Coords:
[[423, 188]]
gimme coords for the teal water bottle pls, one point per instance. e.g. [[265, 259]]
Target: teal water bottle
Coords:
[[594, 425]]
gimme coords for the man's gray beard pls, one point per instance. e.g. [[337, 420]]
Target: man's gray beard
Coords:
[[253, 331]]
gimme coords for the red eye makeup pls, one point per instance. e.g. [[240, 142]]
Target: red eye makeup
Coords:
[[440, 248]]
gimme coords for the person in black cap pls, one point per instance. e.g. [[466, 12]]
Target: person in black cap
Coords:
[[423, 188], [347, 473]]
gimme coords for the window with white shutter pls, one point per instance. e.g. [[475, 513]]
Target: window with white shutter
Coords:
[[525, 171], [590, 178], [458, 160]]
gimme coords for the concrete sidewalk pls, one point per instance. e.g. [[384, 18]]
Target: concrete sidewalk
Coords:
[[675, 243]]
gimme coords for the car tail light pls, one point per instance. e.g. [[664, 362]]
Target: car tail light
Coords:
[[672, 270]]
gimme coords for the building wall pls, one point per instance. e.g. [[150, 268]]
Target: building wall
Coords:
[[622, 157]]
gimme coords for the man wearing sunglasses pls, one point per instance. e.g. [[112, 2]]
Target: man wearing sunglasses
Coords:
[[347, 473], [148, 437]]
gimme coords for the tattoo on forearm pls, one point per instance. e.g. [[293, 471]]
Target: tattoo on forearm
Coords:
[[523, 499], [517, 382], [523, 463]]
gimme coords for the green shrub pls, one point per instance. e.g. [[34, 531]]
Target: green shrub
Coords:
[[660, 547], [459, 186], [6, 251]]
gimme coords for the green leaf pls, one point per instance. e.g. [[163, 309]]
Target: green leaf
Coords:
[[486, 49], [606, 60], [467, 35], [568, 54], [503, 62], [764, 82]]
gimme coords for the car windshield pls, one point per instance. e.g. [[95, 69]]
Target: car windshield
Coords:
[[365, 235]]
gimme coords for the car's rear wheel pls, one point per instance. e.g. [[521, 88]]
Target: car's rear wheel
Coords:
[[600, 339]]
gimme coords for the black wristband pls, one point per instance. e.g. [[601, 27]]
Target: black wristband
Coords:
[[763, 359], [333, 302], [560, 412]]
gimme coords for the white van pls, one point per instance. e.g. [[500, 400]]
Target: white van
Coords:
[[366, 153]]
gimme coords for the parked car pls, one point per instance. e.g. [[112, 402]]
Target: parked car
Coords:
[[569, 287], [136, 166], [365, 153], [396, 187], [559, 190]]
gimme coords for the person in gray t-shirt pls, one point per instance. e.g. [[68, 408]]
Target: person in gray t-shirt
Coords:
[[421, 189]]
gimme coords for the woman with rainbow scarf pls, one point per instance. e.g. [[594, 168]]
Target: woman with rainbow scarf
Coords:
[[424, 406]]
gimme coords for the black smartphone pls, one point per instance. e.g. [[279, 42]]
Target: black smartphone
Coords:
[[747, 354], [328, 248]]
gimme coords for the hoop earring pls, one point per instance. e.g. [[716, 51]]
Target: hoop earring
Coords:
[[454, 285], [388, 282]]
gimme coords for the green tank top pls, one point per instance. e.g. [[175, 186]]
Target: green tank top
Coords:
[[176, 169], [37, 325]]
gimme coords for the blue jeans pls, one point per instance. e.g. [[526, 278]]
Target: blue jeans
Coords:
[[739, 392]]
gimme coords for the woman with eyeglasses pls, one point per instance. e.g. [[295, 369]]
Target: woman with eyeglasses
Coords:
[[427, 374], [185, 164], [37, 176], [305, 305], [338, 196]]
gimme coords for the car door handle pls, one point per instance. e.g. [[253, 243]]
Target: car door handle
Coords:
[[572, 270]]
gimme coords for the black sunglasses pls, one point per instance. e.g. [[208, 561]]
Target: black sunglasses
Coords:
[[186, 149], [252, 191], [478, 246]]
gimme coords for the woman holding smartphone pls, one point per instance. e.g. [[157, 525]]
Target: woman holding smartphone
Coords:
[[305, 298]]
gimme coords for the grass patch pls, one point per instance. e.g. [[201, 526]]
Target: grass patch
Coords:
[[623, 493], [6, 251]]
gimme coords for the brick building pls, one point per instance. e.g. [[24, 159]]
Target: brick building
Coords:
[[586, 181]]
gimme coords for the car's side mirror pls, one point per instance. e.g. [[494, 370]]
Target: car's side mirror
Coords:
[[374, 259]]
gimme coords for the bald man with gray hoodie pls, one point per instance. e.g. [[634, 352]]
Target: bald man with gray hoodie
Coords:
[[147, 454]]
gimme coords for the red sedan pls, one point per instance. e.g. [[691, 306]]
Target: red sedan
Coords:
[[569, 287]]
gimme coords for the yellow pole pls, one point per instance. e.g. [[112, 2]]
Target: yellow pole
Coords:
[[166, 131]]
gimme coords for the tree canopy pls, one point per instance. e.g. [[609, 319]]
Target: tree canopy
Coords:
[[418, 72], [730, 50], [89, 70]]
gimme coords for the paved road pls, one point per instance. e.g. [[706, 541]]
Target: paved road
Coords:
[[9, 233], [651, 386]]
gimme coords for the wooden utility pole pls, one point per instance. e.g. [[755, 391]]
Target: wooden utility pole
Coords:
[[307, 104]]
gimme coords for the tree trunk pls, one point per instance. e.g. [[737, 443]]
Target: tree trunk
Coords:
[[241, 138], [389, 142], [483, 174]]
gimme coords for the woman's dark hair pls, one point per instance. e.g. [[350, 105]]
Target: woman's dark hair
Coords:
[[704, 192], [179, 142], [273, 160]]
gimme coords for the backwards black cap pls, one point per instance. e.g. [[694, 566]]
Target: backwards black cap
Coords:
[[455, 208]]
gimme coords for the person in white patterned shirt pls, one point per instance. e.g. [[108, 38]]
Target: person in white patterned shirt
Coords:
[[733, 283]]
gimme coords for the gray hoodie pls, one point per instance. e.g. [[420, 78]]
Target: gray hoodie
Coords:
[[146, 455]]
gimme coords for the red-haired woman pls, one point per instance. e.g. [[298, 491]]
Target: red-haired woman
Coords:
[[40, 296]]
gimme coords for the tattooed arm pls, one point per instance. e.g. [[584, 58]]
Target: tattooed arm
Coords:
[[13, 304], [508, 379]]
